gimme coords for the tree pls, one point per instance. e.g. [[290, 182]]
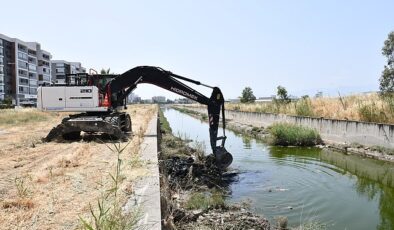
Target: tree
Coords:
[[387, 79], [7, 100], [282, 94], [247, 95], [105, 71]]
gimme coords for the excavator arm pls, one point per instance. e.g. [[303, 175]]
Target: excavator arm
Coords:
[[120, 86]]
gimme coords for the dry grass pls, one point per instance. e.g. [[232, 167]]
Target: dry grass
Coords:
[[49, 185], [368, 107], [10, 117]]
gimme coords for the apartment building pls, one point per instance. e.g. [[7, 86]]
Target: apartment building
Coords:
[[21, 64], [61, 68]]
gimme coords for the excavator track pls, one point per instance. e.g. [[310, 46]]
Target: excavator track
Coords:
[[117, 126]]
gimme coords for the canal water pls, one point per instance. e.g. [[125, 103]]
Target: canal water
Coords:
[[304, 184]]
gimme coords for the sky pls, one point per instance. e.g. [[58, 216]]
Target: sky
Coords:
[[306, 46]]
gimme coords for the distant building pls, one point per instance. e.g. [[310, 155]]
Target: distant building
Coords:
[[266, 99], [159, 99], [21, 63], [133, 98], [237, 100], [61, 68]]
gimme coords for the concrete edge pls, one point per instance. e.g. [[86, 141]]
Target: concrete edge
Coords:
[[147, 188]]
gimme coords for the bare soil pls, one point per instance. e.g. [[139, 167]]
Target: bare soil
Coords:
[[51, 185]]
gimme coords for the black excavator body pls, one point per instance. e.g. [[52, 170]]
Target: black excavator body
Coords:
[[113, 90]]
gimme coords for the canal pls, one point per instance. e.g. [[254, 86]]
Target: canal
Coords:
[[304, 184]]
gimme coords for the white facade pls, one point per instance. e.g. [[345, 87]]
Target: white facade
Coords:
[[44, 67]]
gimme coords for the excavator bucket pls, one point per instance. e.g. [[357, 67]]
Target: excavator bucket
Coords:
[[223, 157]]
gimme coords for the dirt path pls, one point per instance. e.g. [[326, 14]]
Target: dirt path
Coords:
[[49, 185]]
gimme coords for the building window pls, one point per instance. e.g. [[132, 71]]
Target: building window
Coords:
[[45, 70], [32, 75], [33, 83], [22, 47], [23, 65], [32, 52], [59, 70], [32, 60], [43, 63], [32, 67], [22, 73], [23, 81], [33, 91], [45, 56], [22, 56]]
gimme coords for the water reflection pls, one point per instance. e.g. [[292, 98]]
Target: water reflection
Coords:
[[375, 180], [246, 142]]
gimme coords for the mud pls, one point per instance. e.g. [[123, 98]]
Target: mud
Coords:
[[187, 173]]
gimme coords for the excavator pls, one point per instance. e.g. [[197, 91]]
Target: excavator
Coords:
[[100, 99]]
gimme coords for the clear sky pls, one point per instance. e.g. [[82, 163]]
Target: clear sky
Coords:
[[305, 46]]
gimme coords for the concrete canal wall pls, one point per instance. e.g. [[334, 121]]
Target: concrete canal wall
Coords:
[[342, 131]]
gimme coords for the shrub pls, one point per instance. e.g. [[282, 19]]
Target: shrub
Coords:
[[286, 134], [304, 108], [205, 201], [371, 113]]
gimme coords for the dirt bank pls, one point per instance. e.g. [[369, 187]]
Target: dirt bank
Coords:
[[194, 190], [51, 185]]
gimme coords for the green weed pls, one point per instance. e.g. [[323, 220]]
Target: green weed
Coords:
[[304, 107], [205, 201], [286, 134]]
